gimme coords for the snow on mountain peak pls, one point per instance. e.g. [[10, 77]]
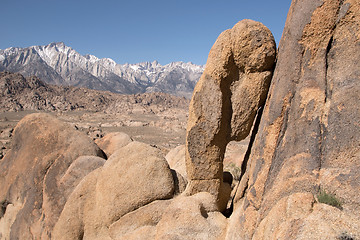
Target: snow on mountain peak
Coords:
[[11, 50], [91, 58], [108, 62], [135, 67], [60, 46], [72, 68]]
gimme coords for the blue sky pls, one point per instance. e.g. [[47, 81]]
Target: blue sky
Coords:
[[133, 31]]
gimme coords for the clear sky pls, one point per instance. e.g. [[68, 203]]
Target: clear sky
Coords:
[[135, 30]]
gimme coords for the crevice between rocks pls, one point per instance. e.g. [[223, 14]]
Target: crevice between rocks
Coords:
[[3, 206], [227, 213], [244, 173], [327, 96], [283, 126]]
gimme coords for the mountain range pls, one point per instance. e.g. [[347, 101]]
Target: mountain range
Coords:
[[59, 64]]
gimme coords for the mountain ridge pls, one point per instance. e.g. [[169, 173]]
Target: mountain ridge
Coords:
[[59, 64]]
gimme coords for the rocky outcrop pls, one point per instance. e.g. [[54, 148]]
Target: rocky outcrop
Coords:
[[132, 177], [141, 223], [308, 137], [176, 159], [225, 102], [34, 184], [192, 217], [20, 93], [299, 178], [184, 217], [78, 169], [112, 142]]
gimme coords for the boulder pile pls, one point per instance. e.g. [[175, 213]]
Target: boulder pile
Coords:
[[39, 173], [299, 179]]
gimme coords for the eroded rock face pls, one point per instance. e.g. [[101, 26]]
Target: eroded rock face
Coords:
[[32, 193], [176, 160], [78, 169], [225, 100], [132, 177], [192, 217], [141, 223], [113, 141], [309, 133], [308, 139]]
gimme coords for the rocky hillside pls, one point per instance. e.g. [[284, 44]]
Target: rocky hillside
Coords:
[[59, 64], [20, 93], [299, 178]]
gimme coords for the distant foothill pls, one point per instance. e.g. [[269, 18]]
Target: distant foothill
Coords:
[[18, 93]]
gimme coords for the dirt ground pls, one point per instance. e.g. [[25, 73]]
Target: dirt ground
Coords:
[[165, 130]]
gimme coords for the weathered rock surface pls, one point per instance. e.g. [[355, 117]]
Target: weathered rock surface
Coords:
[[309, 132], [78, 169], [141, 223], [132, 177], [112, 142], [192, 217], [226, 99], [180, 182], [32, 194], [305, 140], [176, 160]]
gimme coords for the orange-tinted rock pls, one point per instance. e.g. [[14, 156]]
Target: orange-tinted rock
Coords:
[[112, 142], [225, 100], [31, 191], [134, 176], [192, 217], [309, 132]]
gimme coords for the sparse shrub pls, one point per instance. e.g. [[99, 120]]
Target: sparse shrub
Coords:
[[329, 199], [345, 236]]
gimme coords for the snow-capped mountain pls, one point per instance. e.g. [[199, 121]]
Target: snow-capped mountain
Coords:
[[59, 64]]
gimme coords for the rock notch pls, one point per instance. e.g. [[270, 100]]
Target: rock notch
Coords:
[[225, 101]]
